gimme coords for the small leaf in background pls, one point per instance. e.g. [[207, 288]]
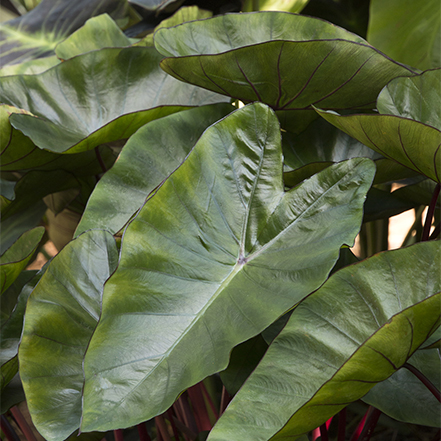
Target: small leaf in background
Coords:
[[407, 138], [287, 61], [355, 331], [220, 228], [97, 97], [149, 156], [97, 33], [15, 259], [36, 33], [409, 31], [275, 5], [61, 315]]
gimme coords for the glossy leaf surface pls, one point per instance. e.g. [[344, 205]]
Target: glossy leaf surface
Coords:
[[357, 330], [36, 33], [409, 31], [219, 228], [15, 259], [284, 60], [61, 314], [95, 98], [150, 155]]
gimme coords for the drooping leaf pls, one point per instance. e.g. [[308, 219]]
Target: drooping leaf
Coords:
[[19, 153], [284, 60], [409, 31], [275, 5], [410, 143], [357, 330], [15, 259], [97, 33], [404, 397], [36, 33], [97, 97], [61, 314], [150, 155], [219, 228], [417, 98]]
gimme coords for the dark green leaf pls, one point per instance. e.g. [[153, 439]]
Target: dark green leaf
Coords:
[[157, 5], [15, 259], [219, 228], [356, 331], [150, 155], [97, 97], [61, 315]]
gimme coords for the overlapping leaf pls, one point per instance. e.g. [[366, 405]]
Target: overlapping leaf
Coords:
[[18, 152], [214, 257], [409, 32], [411, 131], [61, 315], [36, 33], [357, 330], [15, 259], [150, 155], [97, 97], [157, 5], [284, 60]]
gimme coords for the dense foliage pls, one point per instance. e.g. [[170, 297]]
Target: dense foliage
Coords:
[[203, 177]]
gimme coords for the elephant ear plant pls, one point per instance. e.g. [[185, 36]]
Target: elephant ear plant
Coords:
[[203, 185]]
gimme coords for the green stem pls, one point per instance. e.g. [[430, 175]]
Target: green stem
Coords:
[[415, 225]]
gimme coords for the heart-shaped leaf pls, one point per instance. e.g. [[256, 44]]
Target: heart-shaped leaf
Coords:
[[97, 97], [150, 155], [284, 60], [357, 330], [61, 314], [36, 33], [15, 259], [411, 132], [214, 257], [409, 33]]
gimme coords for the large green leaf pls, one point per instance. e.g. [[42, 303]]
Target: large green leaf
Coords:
[[18, 152], [15, 259], [150, 155], [61, 314], [97, 97], [409, 31], [214, 257], [157, 5], [357, 330], [285, 60], [36, 33]]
